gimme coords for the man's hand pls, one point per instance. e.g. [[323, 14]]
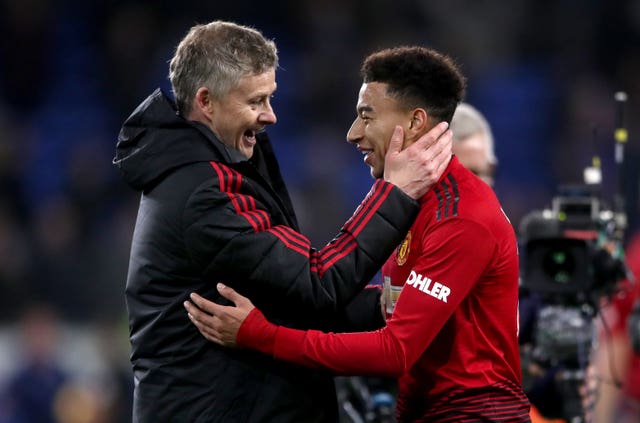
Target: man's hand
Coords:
[[416, 168], [218, 323]]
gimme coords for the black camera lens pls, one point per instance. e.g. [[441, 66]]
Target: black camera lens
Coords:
[[559, 265]]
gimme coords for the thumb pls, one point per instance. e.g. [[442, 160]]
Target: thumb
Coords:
[[395, 145], [231, 295]]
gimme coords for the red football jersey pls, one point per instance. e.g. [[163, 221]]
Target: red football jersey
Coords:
[[452, 336], [457, 279]]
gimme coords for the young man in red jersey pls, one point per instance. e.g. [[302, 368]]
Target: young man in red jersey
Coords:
[[451, 285]]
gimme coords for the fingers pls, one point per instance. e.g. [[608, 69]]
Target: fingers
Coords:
[[218, 323], [444, 155], [441, 147], [397, 138], [434, 135], [206, 305], [232, 295], [228, 293], [208, 332], [440, 151], [205, 323]]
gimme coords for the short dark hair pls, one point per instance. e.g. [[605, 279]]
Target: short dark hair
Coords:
[[418, 77]]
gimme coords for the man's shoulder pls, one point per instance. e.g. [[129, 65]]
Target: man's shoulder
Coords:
[[463, 202], [460, 194], [189, 175]]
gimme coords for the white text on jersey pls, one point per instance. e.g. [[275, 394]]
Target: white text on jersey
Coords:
[[438, 290]]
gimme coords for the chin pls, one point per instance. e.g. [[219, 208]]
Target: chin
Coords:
[[247, 153]]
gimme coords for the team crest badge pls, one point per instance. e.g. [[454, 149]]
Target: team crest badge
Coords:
[[403, 250]]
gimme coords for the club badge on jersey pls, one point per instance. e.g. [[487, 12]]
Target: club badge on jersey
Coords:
[[402, 252], [390, 291]]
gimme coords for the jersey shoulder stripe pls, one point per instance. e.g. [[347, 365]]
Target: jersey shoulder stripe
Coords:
[[448, 197]]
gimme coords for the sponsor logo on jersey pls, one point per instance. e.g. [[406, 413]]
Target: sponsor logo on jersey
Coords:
[[403, 250], [428, 286]]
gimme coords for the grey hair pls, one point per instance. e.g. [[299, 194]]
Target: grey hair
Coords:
[[216, 56], [468, 121]]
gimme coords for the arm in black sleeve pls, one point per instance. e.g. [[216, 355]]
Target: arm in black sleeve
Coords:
[[362, 314], [230, 236]]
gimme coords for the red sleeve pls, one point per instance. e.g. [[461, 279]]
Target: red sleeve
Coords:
[[615, 313], [455, 254]]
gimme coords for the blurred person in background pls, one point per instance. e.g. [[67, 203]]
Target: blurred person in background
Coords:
[[473, 142], [31, 392], [215, 208], [473, 145], [451, 286], [614, 377]]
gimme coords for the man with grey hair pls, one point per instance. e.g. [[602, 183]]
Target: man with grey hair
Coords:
[[214, 208], [473, 142]]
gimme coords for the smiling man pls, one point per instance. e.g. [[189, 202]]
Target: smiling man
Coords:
[[214, 208], [451, 286]]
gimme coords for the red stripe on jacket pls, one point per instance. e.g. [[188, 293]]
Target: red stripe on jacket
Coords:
[[230, 182], [354, 226]]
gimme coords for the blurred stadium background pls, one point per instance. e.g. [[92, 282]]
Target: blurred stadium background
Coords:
[[543, 71]]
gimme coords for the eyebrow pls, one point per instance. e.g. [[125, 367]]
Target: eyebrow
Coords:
[[263, 94], [364, 108], [266, 93]]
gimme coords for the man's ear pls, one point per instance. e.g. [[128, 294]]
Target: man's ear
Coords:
[[419, 123], [203, 102]]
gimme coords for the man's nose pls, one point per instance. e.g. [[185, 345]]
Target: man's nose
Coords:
[[355, 132], [268, 116]]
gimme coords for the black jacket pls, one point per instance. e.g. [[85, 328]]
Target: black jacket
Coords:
[[208, 215]]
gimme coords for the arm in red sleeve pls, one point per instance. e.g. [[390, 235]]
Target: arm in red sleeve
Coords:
[[455, 254], [340, 353]]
